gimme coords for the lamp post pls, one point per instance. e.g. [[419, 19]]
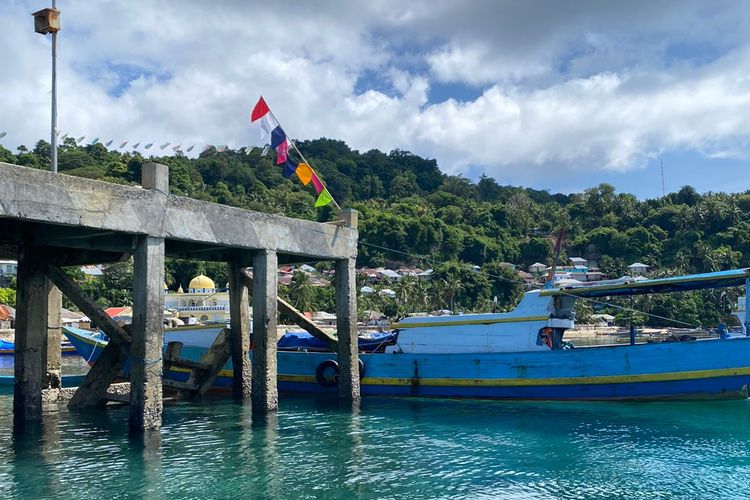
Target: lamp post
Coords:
[[48, 21]]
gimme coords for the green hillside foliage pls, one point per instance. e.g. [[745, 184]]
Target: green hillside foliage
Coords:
[[407, 204]]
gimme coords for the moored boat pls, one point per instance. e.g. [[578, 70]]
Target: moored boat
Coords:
[[521, 354]]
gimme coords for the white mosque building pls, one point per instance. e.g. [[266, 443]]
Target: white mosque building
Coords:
[[202, 303]]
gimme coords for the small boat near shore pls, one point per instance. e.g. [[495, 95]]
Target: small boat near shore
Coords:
[[67, 349], [521, 354]]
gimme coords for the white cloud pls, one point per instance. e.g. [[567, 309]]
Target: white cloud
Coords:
[[586, 86]]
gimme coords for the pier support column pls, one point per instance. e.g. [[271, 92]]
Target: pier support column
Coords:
[[52, 355], [31, 330], [146, 349], [265, 394], [239, 310], [346, 328]]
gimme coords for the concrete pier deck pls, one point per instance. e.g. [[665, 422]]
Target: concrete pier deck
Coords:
[[51, 220]]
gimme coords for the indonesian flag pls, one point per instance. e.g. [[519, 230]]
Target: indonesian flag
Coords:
[[260, 110]]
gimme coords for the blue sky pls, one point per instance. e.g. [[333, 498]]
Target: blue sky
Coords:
[[546, 94]]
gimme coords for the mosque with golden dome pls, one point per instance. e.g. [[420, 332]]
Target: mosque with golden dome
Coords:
[[202, 303]]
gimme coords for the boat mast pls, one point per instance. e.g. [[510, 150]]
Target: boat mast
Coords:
[[555, 256]]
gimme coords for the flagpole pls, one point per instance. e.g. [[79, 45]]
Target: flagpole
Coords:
[[300, 153]]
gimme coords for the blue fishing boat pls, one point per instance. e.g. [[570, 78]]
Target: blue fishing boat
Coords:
[[521, 354], [8, 348]]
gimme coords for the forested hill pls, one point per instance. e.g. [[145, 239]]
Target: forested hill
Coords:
[[409, 205]]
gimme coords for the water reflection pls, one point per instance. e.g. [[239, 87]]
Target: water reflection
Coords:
[[415, 448]]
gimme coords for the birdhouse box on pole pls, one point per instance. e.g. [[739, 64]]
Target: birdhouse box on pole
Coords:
[[47, 21]]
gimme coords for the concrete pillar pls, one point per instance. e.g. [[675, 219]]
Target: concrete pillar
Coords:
[[239, 309], [146, 349], [265, 394], [31, 330], [346, 329], [52, 355]]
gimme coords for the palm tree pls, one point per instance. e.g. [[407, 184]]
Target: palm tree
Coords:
[[453, 288], [301, 293]]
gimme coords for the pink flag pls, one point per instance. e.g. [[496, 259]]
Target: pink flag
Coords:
[[260, 110], [317, 183], [281, 153]]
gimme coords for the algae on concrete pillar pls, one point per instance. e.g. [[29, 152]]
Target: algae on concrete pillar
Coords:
[[52, 355], [146, 348], [346, 328], [31, 330], [239, 311], [265, 395]]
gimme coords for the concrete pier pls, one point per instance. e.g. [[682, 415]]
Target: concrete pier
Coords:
[[346, 328], [52, 354], [148, 336], [239, 311], [265, 395], [346, 321], [49, 221], [31, 331]]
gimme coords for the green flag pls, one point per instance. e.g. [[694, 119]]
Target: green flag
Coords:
[[324, 198]]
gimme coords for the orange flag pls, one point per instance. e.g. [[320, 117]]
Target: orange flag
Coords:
[[305, 173]]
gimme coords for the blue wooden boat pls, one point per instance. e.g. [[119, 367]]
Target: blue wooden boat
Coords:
[[516, 355], [7, 348]]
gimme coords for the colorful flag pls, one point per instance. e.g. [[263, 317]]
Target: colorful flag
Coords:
[[304, 173], [96, 139], [109, 142], [164, 145], [282, 152], [265, 150], [277, 137], [289, 168], [148, 145], [135, 146], [122, 145], [260, 110], [324, 199], [176, 148], [80, 139], [190, 148], [206, 148], [317, 183], [3, 134]]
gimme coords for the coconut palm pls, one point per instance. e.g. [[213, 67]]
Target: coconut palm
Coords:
[[301, 294]]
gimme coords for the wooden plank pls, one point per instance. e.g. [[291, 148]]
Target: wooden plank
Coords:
[[180, 386], [94, 387], [301, 320], [189, 363], [216, 358], [90, 308]]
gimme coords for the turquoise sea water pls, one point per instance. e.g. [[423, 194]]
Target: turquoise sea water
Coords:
[[388, 448]]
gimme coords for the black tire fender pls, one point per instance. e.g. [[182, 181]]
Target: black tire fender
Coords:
[[330, 363], [320, 373]]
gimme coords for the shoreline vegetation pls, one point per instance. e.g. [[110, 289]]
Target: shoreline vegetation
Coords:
[[412, 214]]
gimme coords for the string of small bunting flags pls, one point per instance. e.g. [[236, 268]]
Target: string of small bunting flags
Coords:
[[177, 148], [279, 141]]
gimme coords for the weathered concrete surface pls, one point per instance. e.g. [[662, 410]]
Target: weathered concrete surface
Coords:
[[146, 348], [52, 354], [31, 330], [37, 195], [239, 312], [265, 396], [346, 328]]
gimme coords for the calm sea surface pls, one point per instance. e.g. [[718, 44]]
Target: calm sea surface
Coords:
[[389, 448]]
